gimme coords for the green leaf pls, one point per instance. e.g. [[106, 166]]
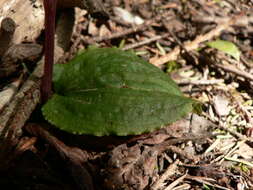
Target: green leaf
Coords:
[[106, 91], [226, 47], [172, 66]]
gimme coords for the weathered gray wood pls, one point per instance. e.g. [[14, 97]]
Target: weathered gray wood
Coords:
[[28, 15]]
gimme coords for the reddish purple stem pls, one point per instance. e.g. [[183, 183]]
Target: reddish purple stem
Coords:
[[50, 12]]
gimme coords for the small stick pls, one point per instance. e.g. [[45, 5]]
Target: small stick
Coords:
[[205, 180], [239, 161], [191, 45], [15, 114], [176, 182], [126, 32], [220, 125], [144, 42], [234, 70], [199, 82], [170, 171]]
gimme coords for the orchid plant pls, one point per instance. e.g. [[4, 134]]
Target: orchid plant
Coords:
[[107, 91]]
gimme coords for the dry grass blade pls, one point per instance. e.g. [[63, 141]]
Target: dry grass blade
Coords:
[[176, 182], [160, 183], [205, 180]]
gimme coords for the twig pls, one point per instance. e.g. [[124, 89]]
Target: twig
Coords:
[[126, 32], [144, 42], [226, 67], [239, 160], [8, 92], [245, 61], [235, 71], [23, 103], [116, 35], [166, 145], [14, 116], [212, 146], [222, 157], [191, 45], [203, 180], [237, 135], [182, 187], [169, 172], [206, 19], [176, 182], [199, 82]]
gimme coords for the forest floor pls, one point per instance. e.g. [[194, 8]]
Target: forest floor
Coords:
[[212, 150]]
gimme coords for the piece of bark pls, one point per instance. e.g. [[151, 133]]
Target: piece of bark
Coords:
[[23, 52], [31, 21], [7, 30], [8, 92], [16, 114], [29, 94], [18, 52], [18, 111]]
